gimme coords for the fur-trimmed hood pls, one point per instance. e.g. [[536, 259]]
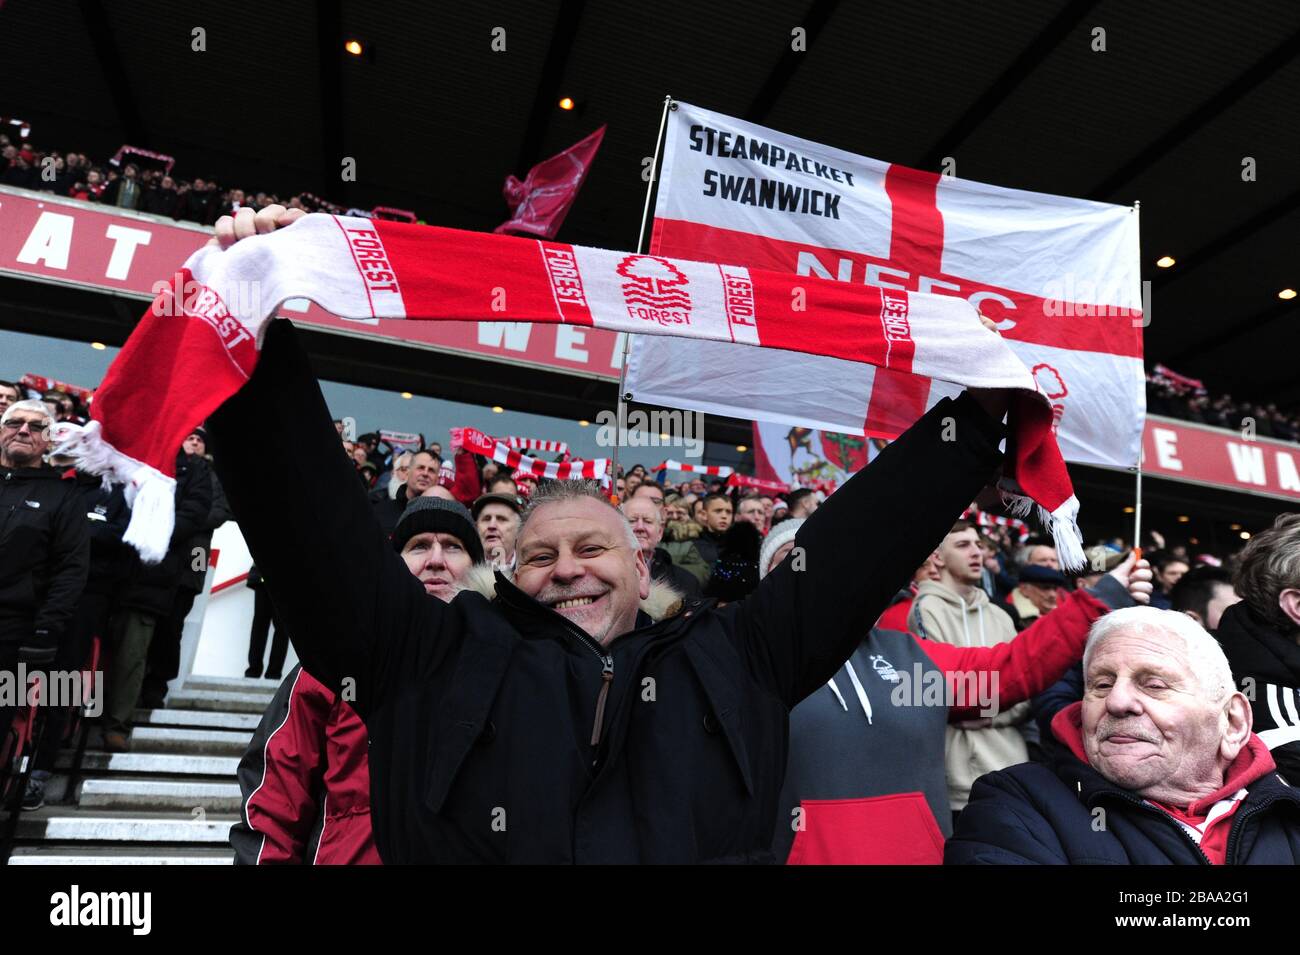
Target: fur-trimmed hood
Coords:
[[664, 599]]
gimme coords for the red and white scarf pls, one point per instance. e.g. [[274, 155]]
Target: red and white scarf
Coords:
[[198, 343], [985, 519], [717, 470], [537, 444], [761, 484], [501, 452], [401, 440]]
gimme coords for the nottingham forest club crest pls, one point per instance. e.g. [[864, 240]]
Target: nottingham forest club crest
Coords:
[[884, 669], [655, 290]]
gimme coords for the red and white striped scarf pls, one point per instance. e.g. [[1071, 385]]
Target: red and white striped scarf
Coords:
[[985, 519], [500, 451], [717, 470], [537, 444], [198, 343]]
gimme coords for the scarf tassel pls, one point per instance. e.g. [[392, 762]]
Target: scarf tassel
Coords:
[[1062, 524]]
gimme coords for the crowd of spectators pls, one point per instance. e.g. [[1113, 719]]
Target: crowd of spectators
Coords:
[[989, 583], [990, 601], [703, 523], [1174, 396], [73, 595], [716, 532], [140, 183]]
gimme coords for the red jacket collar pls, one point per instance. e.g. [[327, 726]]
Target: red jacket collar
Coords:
[[1252, 763]]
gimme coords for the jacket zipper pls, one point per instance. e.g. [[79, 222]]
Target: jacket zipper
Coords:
[[606, 678]]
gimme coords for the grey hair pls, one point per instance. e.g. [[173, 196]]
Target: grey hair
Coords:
[[1204, 654], [556, 492], [659, 515], [1270, 564], [1024, 552], [29, 404]]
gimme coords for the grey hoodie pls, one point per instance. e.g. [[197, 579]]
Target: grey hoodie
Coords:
[[940, 614]]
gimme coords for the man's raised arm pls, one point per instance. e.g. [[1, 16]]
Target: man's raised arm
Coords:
[[345, 598], [864, 543]]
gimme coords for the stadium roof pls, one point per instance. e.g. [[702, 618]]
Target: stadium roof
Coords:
[[1015, 92]]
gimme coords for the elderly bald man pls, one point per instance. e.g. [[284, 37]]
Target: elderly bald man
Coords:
[[1159, 765]]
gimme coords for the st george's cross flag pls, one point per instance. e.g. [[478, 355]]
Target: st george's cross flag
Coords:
[[1060, 276]]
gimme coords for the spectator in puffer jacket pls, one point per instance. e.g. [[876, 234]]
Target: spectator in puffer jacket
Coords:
[[110, 562], [1159, 765], [305, 777], [44, 547]]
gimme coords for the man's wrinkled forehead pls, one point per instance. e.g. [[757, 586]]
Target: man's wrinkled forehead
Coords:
[[1140, 649], [640, 506], [583, 519]]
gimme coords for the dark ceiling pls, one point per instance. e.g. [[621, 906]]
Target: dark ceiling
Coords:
[[1013, 91]]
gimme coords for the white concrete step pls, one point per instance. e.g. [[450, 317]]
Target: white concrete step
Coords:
[[75, 856], [155, 764], [231, 684], [198, 742], [118, 829], [223, 700], [159, 794], [197, 719]]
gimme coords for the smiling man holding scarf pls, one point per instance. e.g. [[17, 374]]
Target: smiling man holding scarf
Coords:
[[577, 713]]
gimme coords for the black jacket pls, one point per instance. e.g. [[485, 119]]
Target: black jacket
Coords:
[[194, 570], [44, 553], [107, 517], [1034, 814], [1266, 664], [387, 510], [481, 713], [152, 587], [709, 545]]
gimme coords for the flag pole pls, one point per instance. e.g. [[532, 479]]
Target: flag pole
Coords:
[[1137, 490], [1137, 512], [623, 396]]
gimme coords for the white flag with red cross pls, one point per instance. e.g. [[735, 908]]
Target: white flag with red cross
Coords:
[[1060, 276]]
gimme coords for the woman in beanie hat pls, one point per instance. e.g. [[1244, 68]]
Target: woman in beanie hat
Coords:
[[305, 777], [778, 543]]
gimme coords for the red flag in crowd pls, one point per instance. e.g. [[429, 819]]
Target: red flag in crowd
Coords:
[[539, 204]]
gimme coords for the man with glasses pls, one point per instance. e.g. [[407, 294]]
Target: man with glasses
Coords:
[[44, 545]]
